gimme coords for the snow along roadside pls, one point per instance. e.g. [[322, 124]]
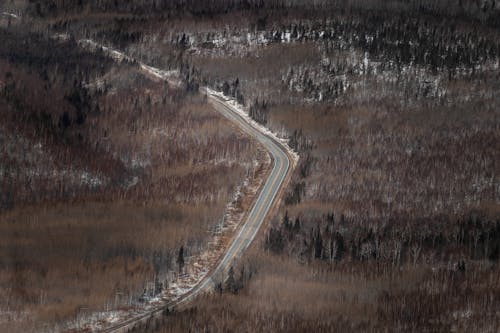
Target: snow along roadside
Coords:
[[240, 110], [172, 77]]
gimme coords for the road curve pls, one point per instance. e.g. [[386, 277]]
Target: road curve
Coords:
[[282, 162]]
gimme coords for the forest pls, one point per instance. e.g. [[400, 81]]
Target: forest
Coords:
[[106, 176], [392, 219]]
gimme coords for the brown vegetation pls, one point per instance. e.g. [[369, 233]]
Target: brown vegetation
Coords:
[[104, 175], [361, 297], [392, 214], [391, 221]]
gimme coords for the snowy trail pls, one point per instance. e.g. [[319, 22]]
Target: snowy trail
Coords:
[[172, 77]]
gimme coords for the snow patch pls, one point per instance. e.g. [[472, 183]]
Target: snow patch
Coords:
[[10, 15]]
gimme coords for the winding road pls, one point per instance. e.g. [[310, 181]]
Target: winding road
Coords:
[[267, 197]]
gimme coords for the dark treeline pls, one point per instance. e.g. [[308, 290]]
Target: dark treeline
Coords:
[[45, 99], [485, 11], [62, 69], [405, 40], [195, 7], [41, 54], [331, 238]]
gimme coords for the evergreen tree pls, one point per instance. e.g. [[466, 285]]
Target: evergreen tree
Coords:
[[225, 88], [274, 240], [286, 222], [180, 259], [339, 241], [231, 282], [296, 225], [318, 244]]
